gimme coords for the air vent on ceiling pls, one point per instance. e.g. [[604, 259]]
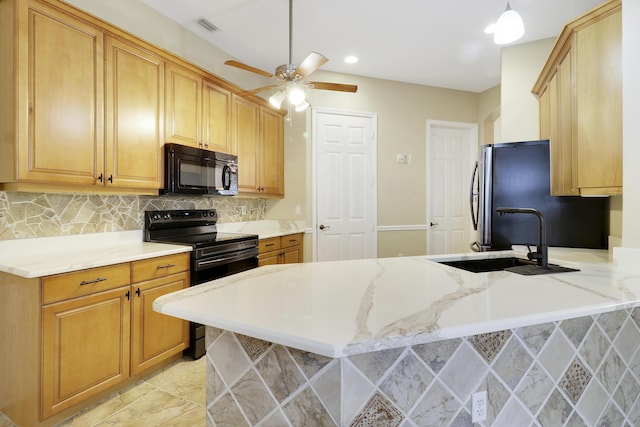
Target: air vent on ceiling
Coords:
[[207, 25]]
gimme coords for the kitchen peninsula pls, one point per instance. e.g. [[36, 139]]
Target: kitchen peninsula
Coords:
[[393, 340]]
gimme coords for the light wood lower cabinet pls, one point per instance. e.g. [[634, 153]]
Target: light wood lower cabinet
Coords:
[[73, 336], [155, 336], [85, 347], [280, 250]]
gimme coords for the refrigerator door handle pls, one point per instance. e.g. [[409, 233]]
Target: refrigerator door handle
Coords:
[[474, 213]]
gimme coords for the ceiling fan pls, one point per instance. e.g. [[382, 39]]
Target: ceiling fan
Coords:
[[291, 78]]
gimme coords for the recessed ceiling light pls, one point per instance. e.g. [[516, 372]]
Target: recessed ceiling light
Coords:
[[351, 59]]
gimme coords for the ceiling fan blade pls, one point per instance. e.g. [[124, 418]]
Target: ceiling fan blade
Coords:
[[333, 86], [257, 90], [248, 68], [311, 63]]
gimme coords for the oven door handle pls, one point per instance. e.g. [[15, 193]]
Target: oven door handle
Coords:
[[239, 256], [216, 261]]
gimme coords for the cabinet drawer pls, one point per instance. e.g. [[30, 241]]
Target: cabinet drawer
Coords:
[[267, 245], [154, 268], [290, 240], [70, 285]]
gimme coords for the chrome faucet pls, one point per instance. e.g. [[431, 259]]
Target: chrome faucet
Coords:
[[541, 253]]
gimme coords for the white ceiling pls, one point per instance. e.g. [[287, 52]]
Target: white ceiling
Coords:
[[431, 42]]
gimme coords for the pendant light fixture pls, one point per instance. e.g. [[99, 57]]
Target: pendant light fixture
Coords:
[[509, 27]]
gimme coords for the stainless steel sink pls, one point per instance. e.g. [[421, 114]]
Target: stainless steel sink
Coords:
[[512, 264]]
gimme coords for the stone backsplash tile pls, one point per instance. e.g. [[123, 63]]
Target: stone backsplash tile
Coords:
[[28, 215]]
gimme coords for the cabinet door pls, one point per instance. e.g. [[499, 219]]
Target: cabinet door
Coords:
[[292, 255], [216, 118], [155, 336], [62, 139], [269, 258], [183, 91], [272, 152], [134, 95], [599, 106], [565, 163], [85, 347], [244, 118]]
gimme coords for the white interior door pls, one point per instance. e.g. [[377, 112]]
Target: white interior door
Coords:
[[451, 152], [345, 191]]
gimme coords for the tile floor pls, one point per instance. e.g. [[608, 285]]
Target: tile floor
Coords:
[[173, 396]]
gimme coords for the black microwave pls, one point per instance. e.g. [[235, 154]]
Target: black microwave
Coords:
[[191, 170]]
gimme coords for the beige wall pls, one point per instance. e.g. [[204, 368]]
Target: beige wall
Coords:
[[402, 112], [521, 65], [489, 115], [137, 18], [631, 124]]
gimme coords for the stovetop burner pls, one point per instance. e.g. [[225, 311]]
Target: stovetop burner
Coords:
[[207, 238]]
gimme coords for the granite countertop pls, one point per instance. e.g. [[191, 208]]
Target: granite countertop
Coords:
[[350, 307], [45, 256]]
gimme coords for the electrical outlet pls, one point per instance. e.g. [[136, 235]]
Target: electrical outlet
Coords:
[[478, 406], [243, 209]]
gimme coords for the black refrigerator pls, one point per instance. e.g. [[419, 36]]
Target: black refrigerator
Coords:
[[516, 175]]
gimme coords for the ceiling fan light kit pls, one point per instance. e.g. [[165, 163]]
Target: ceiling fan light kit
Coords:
[[291, 79], [509, 27]]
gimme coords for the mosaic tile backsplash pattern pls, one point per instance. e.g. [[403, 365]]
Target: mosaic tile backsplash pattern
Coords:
[[28, 215], [578, 372]]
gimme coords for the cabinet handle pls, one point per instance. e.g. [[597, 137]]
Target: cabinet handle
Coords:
[[138, 291], [160, 267], [292, 240], [88, 282], [270, 244], [100, 178], [110, 179], [128, 295]]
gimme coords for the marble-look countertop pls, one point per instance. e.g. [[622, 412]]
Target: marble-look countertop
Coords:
[[43, 256], [264, 228], [349, 307]]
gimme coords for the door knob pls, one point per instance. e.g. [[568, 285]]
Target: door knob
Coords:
[[433, 224], [322, 227]]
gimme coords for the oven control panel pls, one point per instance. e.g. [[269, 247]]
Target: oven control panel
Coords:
[[180, 217]]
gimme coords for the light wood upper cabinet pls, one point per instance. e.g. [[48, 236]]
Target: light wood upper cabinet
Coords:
[[272, 152], [61, 137], [134, 116], [198, 112], [580, 94], [87, 107], [598, 79], [89, 110], [216, 118], [258, 132], [244, 119], [183, 90]]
